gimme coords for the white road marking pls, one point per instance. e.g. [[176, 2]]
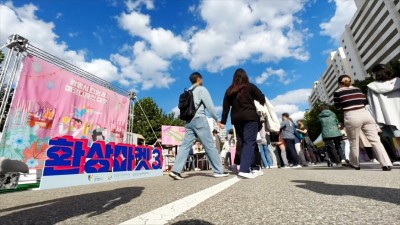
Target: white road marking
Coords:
[[168, 212]]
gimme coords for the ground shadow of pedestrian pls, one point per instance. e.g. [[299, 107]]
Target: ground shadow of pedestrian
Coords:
[[390, 195], [192, 222], [61, 209]]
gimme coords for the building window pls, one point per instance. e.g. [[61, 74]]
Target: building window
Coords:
[[349, 59], [354, 73], [345, 47], [352, 66], [342, 40]]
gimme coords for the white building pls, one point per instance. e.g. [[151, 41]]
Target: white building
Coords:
[[337, 64], [372, 37]]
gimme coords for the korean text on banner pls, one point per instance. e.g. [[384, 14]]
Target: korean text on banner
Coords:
[[51, 102]]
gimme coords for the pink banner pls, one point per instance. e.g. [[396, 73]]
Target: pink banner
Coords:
[[172, 135], [52, 102]]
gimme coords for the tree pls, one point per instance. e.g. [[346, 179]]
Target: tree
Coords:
[[311, 117], [362, 84], [156, 116]]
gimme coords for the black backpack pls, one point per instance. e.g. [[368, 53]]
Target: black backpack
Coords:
[[186, 106]]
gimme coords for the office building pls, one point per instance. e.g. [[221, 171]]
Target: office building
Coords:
[[371, 37]]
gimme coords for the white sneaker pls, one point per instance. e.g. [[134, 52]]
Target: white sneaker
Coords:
[[197, 169], [375, 161], [273, 167], [397, 163], [298, 166], [247, 175], [337, 165], [218, 175], [258, 172]]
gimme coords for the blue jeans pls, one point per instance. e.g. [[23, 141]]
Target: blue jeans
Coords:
[[198, 128], [265, 155], [247, 135]]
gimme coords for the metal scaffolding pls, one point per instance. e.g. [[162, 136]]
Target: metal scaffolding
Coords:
[[19, 47]]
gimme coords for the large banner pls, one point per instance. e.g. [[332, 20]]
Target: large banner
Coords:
[[172, 135], [51, 102], [71, 162]]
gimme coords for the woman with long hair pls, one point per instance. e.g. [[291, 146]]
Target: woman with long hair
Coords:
[[239, 99], [356, 119]]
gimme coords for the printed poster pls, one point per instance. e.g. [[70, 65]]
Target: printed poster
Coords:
[[51, 102], [172, 135]]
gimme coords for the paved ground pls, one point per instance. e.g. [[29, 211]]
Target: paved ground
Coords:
[[317, 195]]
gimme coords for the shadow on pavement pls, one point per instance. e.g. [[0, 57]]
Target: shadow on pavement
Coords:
[[192, 222], [390, 195], [58, 210]]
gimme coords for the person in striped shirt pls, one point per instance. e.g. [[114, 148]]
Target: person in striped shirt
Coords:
[[356, 119]]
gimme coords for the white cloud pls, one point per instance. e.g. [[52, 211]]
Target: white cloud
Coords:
[[41, 34], [334, 28], [292, 97], [147, 61], [59, 15], [143, 66], [162, 41], [136, 4], [238, 31], [73, 34], [176, 111], [98, 37], [297, 115], [291, 102], [280, 73]]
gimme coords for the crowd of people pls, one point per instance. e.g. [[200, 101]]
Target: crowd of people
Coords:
[[263, 142]]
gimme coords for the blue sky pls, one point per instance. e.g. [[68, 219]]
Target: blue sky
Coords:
[[152, 46]]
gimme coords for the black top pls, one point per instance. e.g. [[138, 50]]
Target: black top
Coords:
[[243, 108]]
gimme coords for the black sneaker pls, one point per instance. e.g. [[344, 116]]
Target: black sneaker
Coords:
[[386, 168], [175, 175]]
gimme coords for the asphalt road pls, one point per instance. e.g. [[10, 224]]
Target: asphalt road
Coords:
[[317, 195]]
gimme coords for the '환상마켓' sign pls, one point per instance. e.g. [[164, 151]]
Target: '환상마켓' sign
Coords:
[[71, 162]]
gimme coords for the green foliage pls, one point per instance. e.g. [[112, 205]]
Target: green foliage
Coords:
[[395, 65], [311, 117], [362, 84], [156, 116]]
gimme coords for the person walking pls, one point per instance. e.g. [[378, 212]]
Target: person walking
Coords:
[[198, 128], [239, 99], [224, 153], [217, 140], [331, 134], [356, 118], [298, 138], [306, 143], [384, 101], [287, 130], [263, 143]]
